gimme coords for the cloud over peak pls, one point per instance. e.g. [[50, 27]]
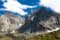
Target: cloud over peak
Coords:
[[53, 4], [15, 6]]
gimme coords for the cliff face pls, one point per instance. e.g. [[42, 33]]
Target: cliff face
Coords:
[[41, 21], [45, 21], [10, 23]]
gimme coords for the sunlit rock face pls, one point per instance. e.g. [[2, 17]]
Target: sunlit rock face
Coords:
[[10, 23]]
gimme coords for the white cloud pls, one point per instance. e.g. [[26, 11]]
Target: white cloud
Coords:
[[15, 6], [53, 4]]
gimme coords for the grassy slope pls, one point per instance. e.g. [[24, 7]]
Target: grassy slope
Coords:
[[50, 36], [18, 36]]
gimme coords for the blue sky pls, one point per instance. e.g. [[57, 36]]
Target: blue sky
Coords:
[[29, 5], [29, 2], [24, 7], [23, 2]]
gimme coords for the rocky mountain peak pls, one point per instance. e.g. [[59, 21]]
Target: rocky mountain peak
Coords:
[[10, 23], [38, 22], [44, 21]]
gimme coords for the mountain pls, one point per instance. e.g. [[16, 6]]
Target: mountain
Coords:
[[10, 23], [41, 21]]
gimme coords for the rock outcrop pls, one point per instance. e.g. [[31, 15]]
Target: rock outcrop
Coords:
[[10, 23], [41, 21]]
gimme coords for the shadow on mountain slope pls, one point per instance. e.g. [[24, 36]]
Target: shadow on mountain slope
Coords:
[[33, 25]]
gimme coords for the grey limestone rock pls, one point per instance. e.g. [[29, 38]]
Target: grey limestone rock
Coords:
[[10, 23]]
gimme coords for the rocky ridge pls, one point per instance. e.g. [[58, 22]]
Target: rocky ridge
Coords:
[[41, 21], [10, 23]]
